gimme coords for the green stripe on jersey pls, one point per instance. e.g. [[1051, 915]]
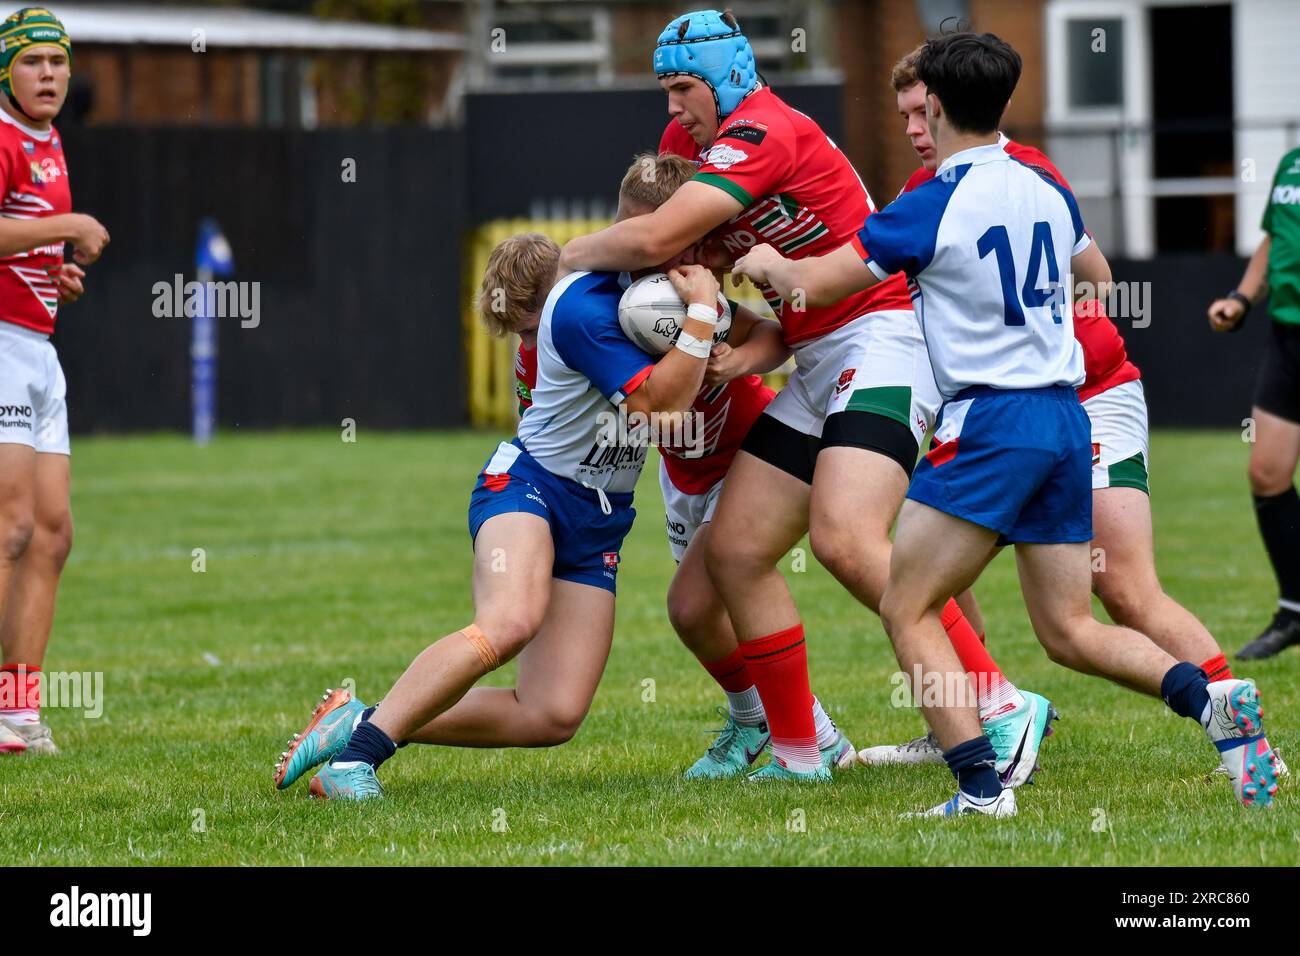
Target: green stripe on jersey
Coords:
[[727, 186], [798, 243]]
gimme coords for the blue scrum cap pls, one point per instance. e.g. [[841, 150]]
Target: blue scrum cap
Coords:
[[709, 45]]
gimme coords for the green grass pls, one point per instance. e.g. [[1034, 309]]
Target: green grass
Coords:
[[328, 560]]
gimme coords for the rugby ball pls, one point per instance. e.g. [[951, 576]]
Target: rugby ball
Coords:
[[651, 314]]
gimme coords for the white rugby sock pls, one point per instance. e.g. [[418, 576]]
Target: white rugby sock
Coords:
[[746, 707], [827, 732]]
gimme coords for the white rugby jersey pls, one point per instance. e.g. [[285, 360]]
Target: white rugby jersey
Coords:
[[986, 246], [586, 367]]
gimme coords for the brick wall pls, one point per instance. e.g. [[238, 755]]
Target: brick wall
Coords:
[[873, 35]]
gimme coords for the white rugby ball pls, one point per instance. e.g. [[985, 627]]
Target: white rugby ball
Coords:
[[651, 314]]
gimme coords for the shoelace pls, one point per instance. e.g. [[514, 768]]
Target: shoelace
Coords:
[[728, 733], [928, 742]]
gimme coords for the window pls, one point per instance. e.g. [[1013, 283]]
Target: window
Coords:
[[1094, 50]]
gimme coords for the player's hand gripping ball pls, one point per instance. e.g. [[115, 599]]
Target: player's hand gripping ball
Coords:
[[651, 314]]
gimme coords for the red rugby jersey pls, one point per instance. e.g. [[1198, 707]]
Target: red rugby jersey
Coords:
[[726, 412], [1105, 360], [34, 174], [525, 376], [801, 195]]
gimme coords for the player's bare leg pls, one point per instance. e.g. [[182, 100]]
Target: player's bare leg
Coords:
[[971, 608], [1127, 583], [1055, 579], [17, 526], [513, 557], [921, 580], [28, 613], [17, 508], [695, 608], [856, 494], [557, 676], [1054, 583], [762, 514], [1273, 459], [700, 618]]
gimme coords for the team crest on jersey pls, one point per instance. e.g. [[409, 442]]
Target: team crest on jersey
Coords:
[[611, 559], [846, 379], [1096, 453], [29, 147], [723, 156]]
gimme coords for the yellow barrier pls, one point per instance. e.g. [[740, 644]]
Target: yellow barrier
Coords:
[[490, 362]]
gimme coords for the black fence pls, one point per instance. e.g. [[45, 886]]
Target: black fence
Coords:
[[1193, 377], [357, 281], [360, 282], [522, 147]]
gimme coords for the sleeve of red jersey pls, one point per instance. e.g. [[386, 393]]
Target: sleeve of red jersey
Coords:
[[914, 180], [525, 376], [749, 160], [678, 142], [1036, 159]]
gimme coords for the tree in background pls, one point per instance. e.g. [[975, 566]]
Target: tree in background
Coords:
[[399, 83]]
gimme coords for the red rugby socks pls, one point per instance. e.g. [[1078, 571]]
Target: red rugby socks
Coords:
[[778, 664], [995, 694]]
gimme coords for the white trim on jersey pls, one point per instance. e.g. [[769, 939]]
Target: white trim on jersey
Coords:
[[42, 134]]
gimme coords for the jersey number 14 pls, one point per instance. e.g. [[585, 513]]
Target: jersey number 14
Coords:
[[996, 240]]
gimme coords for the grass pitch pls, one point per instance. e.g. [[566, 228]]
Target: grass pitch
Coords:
[[326, 560]]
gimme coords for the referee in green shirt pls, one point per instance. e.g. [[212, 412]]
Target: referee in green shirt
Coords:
[[1275, 269]]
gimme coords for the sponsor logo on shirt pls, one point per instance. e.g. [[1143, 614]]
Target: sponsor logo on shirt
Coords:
[[1286, 195], [46, 171], [603, 455], [723, 156], [749, 134]]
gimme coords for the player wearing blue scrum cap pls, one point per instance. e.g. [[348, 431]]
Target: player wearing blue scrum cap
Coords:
[[709, 45]]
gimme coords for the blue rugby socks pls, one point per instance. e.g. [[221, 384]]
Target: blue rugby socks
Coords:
[[972, 763], [1184, 689], [368, 744]]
